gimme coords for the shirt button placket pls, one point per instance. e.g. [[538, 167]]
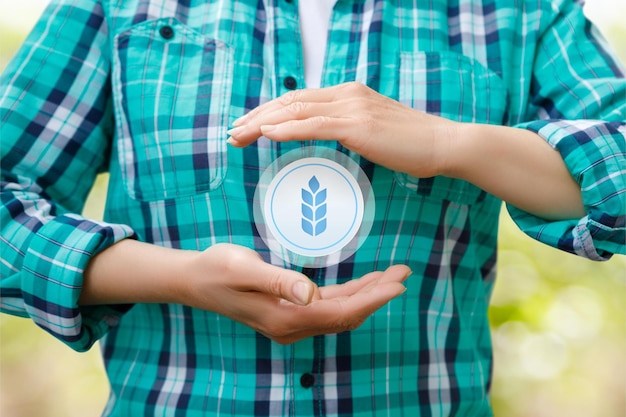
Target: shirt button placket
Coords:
[[307, 380], [288, 47], [304, 379], [290, 83], [307, 354]]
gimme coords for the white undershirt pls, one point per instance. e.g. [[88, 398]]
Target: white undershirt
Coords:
[[314, 18]]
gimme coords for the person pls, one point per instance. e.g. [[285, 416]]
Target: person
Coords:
[[203, 301]]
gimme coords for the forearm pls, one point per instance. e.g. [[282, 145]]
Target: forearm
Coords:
[[134, 272], [517, 166]]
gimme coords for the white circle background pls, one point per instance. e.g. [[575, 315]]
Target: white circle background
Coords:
[[278, 206], [344, 206]]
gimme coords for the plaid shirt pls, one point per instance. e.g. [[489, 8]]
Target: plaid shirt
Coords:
[[147, 89]]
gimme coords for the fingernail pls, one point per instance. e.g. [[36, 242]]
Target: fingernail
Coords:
[[235, 131], [267, 128], [231, 141], [302, 292]]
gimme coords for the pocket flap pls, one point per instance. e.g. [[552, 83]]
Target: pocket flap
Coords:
[[172, 90]]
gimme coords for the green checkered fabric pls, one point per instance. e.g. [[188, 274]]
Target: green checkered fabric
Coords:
[[146, 91]]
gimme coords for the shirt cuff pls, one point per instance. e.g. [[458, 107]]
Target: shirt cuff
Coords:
[[594, 153], [53, 278]]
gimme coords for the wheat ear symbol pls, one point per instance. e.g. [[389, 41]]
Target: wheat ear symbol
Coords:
[[314, 208]]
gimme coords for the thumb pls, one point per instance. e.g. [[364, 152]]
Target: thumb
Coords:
[[289, 285]]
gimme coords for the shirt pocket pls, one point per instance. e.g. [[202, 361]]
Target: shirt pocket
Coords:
[[458, 88], [172, 90]]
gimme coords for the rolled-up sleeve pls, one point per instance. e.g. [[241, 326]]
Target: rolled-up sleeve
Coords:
[[595, 154], [55, 127], [578, 105]]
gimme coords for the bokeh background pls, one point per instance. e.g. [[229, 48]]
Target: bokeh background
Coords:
[[559, 322]]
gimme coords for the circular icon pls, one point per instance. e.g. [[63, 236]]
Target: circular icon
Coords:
[[314, 211], [313, 207]]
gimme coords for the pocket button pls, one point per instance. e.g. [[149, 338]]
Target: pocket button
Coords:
[[166, 32]]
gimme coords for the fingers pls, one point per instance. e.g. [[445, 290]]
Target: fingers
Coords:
[[353, 303], [311, 95], [396, 273], [349, 288], [335, 315], [298, 121], [300, 114], [316, 127]]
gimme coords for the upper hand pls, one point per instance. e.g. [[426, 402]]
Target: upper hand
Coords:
[[235, 281], [362, 120]]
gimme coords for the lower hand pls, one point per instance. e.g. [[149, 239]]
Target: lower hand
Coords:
[[234, 281]]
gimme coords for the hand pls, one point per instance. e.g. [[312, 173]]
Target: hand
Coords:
[[362, 120], [234, 281], [281, 304]]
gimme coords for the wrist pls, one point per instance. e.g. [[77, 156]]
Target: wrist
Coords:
[[451, 149], [192, 275]]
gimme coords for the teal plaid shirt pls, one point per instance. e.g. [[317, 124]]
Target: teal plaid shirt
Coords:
[[146, 91]]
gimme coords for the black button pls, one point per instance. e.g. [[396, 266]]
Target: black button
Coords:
[[309, 272], [167, 32], [289, 1], [307, 380], [290, 83]]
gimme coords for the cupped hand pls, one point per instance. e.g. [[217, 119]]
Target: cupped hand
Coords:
[[362, 120], [281, 304]]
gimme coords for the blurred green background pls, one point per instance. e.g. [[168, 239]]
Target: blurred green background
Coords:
[[559, 322]]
